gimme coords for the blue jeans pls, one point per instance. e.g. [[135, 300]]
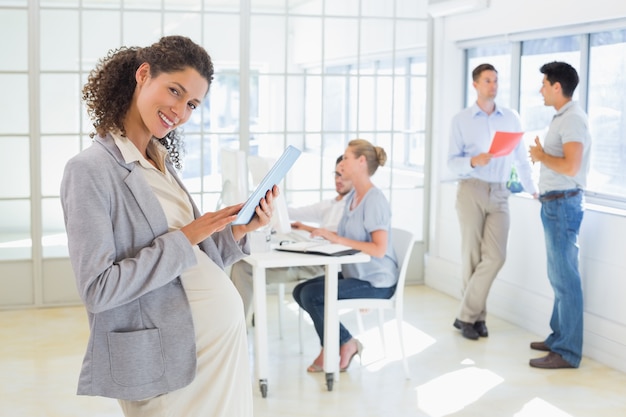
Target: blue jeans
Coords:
[[561, 220], [310, 296]]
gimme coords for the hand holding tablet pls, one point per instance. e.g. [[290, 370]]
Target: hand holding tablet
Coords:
[[274, 176]]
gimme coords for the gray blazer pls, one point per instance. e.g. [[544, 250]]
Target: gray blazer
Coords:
[[127, 267]]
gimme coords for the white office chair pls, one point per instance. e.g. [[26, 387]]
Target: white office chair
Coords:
[[402, 241]]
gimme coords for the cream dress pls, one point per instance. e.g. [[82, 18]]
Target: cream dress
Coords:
[[222, 386]]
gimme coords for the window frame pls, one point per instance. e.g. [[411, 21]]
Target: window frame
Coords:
[[596, 200]]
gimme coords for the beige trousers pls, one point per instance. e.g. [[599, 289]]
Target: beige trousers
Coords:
[[483, 211]]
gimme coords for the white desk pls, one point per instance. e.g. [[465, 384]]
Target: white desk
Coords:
[[260, 261]]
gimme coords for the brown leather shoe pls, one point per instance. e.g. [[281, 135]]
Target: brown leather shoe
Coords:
[[539, 346], [551, 361]]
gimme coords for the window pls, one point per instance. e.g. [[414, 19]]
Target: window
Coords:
[[500, 57], [535, 115], [15, 170], [316, 93], [607, 113], [600, 92], [300, 86]]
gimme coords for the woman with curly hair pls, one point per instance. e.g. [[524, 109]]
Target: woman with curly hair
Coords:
[[167, 329]]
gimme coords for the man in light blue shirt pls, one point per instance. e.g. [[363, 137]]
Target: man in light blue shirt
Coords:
[[564, 158], [482, 196]]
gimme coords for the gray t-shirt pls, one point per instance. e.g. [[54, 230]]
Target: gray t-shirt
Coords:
[[373, 213], [569, 124]]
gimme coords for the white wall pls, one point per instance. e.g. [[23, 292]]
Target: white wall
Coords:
[[504, 17], [522, 294]]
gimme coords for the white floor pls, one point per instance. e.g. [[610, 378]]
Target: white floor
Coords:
[[41, 351]]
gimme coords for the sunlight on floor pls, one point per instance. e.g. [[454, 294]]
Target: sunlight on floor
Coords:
[[468, 386], [539, 407], [379, 353], [42, 353]]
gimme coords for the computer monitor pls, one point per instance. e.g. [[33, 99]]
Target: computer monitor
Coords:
[[234, 177], [258, 167]]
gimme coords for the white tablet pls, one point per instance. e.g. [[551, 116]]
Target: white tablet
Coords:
[[274, 176]]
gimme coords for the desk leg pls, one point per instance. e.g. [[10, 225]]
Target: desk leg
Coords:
[[331, 326], [260, 327]]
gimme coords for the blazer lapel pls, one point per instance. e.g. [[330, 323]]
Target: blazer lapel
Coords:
[[141, 191], [147, 202]]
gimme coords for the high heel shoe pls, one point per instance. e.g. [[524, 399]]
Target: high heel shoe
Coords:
[[359, 350]]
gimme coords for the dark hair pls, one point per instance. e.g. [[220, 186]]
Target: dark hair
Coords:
[[480, 69], [109, 89], [562, 73], [375, 155]]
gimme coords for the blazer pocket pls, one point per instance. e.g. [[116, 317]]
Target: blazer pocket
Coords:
[[136, 357]]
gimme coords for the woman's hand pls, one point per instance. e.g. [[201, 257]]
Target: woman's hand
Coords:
[[302, 226], [209, 223], [262, 217], [332, 237], [377, 247]]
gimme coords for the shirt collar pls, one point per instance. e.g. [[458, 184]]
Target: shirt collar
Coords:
[[130, 153], [565, 107], [478, 111]]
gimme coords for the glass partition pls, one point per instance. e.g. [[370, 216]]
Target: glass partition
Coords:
[[607, 113], [319, 74]]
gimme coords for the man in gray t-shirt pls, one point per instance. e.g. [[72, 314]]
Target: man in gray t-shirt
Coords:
[[564, 158]]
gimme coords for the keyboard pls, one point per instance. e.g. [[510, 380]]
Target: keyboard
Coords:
[[293, 236]]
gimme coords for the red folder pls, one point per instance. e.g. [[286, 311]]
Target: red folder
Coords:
[[504, 142]]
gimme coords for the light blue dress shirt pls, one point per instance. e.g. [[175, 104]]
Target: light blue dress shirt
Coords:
[[471, 134]]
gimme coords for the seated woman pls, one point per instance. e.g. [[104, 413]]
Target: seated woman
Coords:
[[365, 226]]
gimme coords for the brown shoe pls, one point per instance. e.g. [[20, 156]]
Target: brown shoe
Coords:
[[540, 346], [551, 361]]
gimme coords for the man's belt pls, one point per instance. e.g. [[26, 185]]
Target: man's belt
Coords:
[[558, 195]]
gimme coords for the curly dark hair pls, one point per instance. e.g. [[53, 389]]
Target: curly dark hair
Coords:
[[109, 89]]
